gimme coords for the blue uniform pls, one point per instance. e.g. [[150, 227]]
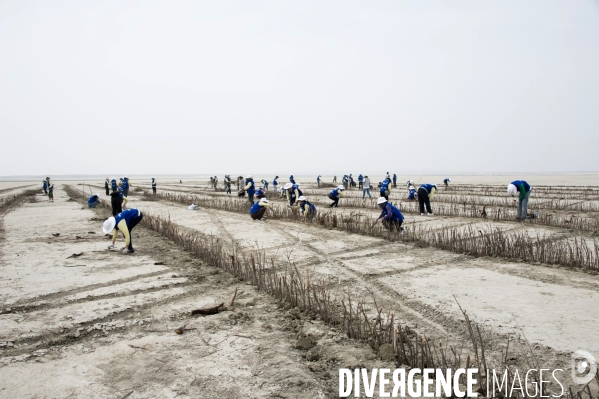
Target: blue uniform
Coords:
[[153, 182], [517, 183], [428, 187], [360, 179], [252, 188], [127, 215], [384, 186], [390, 212], [93, 201], [275, 183], [113, 184], [291, 179], [335, 192], [310, 206], [412, 194], [255, 208]]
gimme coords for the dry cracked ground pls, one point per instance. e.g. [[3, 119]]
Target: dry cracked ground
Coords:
[[102, 324]]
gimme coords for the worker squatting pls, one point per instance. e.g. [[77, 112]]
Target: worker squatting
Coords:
[[391, 217]]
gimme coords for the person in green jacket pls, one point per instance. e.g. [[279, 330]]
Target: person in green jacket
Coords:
[[523, 190]]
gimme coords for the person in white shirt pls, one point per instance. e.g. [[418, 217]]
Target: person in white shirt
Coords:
[[366, 187]]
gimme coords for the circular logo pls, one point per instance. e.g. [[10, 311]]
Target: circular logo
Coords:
[[584, 367]]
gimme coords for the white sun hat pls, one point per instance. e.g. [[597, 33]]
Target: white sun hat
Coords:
[[297, 184], [108, 225], [287, 186], [264, 200], [249, 177], [381, 200], [511, 189], [301, 198], [341, 187]]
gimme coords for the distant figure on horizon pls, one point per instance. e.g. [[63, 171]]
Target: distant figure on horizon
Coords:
[[334, 179], [107, 186], [291, 180], [45, 186], [394, 180], [227, 183], [446, 181], [360, 181], [113, 185], [318, 181], [50, 190], [264, 184], [154, 186]]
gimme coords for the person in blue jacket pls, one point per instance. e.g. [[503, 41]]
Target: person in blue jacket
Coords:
[[250, 188], [93, 201], [394, 180], [318, 181], [275, 183], [446, 181], [306, 208], [293, 192], [154, 186], [411, 193], [360, 181], [390, 216], [126, 186], [124, 222], [522, 189], [384, 189], [45, 187], [426, 192], [258, 210], [265, 184], [337, 193], [113, 185], [291, 180], [260, 193]]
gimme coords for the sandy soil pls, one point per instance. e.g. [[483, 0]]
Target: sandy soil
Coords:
[[102, 325]]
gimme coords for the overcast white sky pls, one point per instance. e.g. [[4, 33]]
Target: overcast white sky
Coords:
[[160, 87]]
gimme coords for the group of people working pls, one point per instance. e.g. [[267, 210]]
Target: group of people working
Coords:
[[390, 217]]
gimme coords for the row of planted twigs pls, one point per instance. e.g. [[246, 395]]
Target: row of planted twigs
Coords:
[[577, 252], [294, 288], [503, 209], [10, 200], [290, 286]]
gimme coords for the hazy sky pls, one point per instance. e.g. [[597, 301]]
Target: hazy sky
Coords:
[[158, 87]]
